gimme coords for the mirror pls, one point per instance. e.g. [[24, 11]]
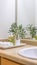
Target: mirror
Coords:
[[7, 16], [20, 11], [26, 12]]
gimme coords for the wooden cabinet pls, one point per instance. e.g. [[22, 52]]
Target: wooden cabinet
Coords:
[[0, 60], [8, 62]]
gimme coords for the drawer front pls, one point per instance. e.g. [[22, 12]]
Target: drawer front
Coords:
[[8, 62], [0, 60]]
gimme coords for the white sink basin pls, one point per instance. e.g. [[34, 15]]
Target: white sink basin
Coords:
[[29, 52]]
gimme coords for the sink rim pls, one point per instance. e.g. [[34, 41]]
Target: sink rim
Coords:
[[25, 49]]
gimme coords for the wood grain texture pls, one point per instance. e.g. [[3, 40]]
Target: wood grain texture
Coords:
[[4, 40], [12, 55], [0, 60], [29, 42], [8, 62]]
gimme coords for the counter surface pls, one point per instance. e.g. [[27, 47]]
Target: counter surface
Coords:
[[12, 54]]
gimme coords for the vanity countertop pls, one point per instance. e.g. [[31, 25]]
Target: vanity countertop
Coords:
[[29, 41], [12, 54]]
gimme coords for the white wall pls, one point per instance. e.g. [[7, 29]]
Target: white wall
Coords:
[[35, 12], [25, 12], [7, 16]]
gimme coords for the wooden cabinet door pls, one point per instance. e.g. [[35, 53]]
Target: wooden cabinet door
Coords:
[[8, 62], [0, 60]]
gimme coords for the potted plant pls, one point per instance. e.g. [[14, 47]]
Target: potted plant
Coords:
[[32, 29], [17, 30], [13, 29], [21, 31]]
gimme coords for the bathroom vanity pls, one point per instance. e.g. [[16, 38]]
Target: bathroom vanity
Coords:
[[5, 61], [11, 57]]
